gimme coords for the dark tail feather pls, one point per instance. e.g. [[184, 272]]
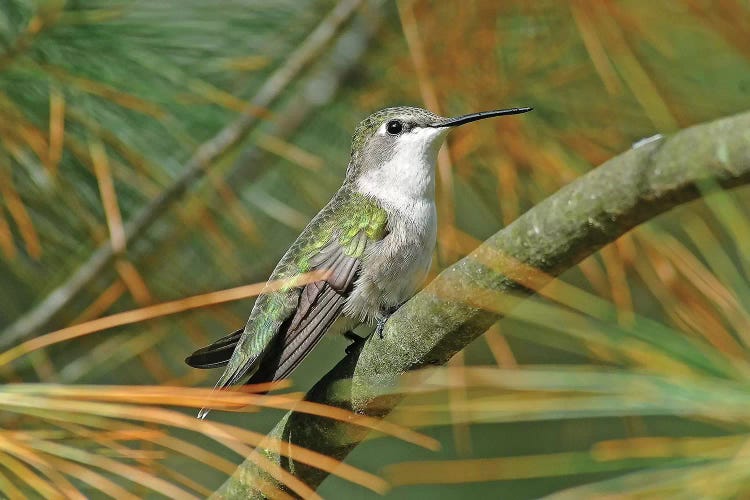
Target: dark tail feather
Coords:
[[217, 354], [297, 343]]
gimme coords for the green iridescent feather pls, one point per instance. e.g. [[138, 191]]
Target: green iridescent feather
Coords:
[[347, 215]]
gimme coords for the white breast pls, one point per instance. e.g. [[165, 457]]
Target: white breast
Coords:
[[394, 268]]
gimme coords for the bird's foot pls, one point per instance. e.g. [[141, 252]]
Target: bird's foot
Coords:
[[380, 325], [356, 344], [383, 317]]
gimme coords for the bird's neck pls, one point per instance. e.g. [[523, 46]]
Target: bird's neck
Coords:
[[401, 181]]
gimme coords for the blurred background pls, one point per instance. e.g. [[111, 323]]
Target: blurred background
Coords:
[[155, 151]]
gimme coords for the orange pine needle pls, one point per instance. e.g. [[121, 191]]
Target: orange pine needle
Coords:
[[244, 398], [133, 281], [133, 474], [102, 302], [18, 211], [226, 434], [6, 238], [28, 476], [618, 284], [22, 452], [457, 398], [97, 88], [290, 152], [633, 73], [594, 47], [108, 194], [239, 212], [93, 479], [150, 312], [56, 129], [499, 347]]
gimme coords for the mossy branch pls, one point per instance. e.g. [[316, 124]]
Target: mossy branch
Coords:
[[446, 316]]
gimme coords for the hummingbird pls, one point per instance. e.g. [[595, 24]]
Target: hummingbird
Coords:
[[373, 243]]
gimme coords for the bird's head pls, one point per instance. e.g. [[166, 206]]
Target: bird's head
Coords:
[[403, 142]]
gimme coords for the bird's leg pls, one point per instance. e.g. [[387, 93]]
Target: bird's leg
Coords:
[[383, 316], [381, 319], [357, 341]]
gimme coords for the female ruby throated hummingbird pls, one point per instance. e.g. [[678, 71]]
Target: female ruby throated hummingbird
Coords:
[[374, 240]]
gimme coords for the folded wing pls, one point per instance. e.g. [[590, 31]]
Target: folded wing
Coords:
[[286, 323]]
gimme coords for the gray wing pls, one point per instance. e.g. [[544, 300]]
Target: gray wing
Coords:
[[312, 310], [320, 304]]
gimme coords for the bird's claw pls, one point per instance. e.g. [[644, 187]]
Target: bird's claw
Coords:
[[382, 318], [380, 326]]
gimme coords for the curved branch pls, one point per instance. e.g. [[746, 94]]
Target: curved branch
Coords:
[[555, 235]]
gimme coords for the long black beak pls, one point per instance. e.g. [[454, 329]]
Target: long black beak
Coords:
[[460, 120]]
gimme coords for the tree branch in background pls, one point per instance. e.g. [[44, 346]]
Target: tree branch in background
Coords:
[[452, 311], [318, 90], [209, 152]]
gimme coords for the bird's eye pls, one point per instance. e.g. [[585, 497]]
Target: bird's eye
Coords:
[[394, 127]]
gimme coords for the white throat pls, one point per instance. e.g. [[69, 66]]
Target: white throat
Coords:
[[408, 176]]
